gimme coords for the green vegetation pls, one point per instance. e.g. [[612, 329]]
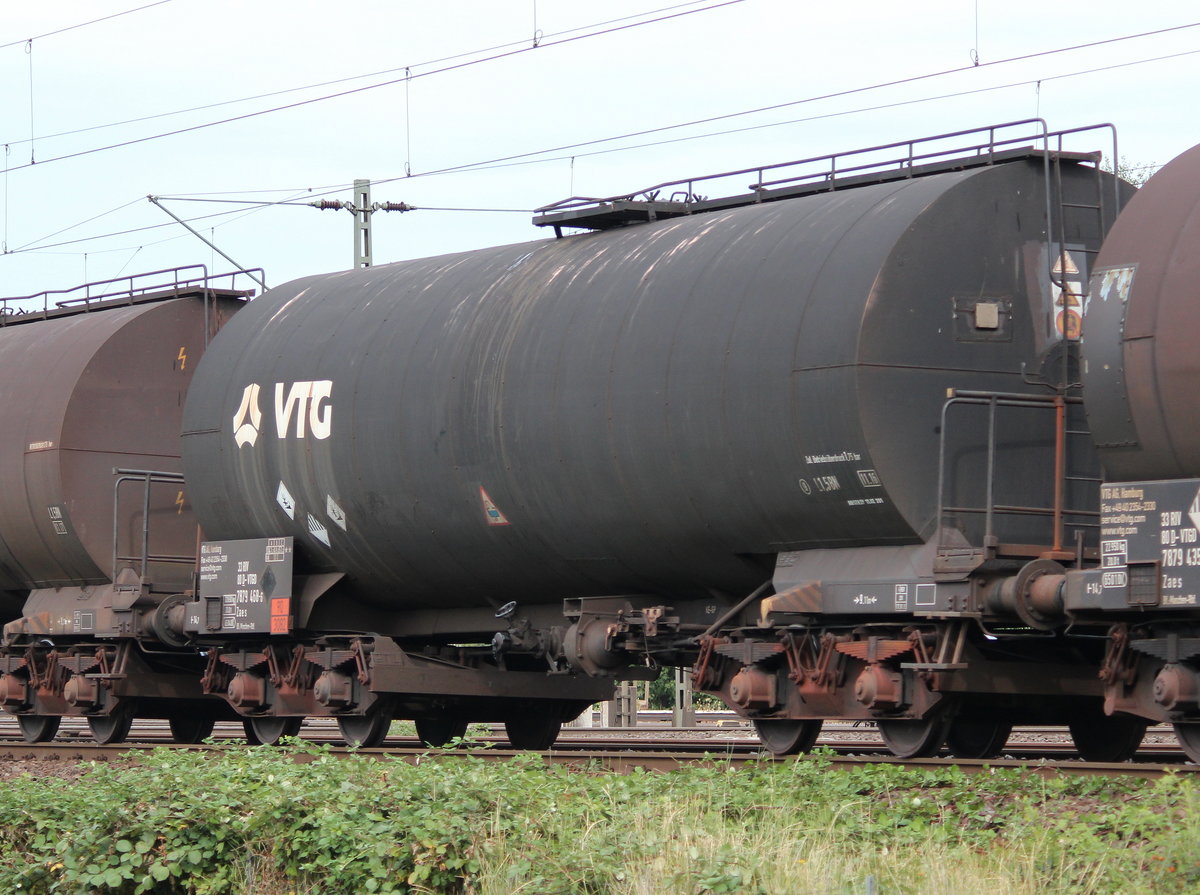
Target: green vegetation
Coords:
[[660, 693], [1134, 172], [297, 820]]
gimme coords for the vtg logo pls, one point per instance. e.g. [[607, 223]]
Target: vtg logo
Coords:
[[307, 402]]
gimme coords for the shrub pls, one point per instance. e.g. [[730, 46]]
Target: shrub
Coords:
[[300, 820]]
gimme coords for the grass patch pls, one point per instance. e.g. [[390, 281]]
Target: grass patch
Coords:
[[297, 820]]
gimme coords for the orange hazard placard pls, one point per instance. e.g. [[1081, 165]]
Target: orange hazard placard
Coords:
[[280, 618]]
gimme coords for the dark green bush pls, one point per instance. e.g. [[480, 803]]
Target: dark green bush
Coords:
[[298, 819]]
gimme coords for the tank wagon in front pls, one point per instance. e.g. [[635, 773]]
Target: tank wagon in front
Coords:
[[851, 398], [823, 441]]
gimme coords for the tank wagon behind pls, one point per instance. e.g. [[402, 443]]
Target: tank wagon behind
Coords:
[[87, 389], [91, 386], [1140, 356], [1141, 372]]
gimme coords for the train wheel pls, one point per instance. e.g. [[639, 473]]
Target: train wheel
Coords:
[[38, 728], [781, 737], [270, 729], [1188, 734], [915, 738], [365, 730], [435, 732], [114, 728], [977, 737], [190, 728], [533, 732], [1108, 738]]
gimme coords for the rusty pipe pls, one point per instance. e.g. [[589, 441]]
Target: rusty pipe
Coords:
[[1060, 464], [1034, 595]]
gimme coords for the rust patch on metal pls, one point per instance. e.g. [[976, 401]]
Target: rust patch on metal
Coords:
[[802, 599], [874, 649]]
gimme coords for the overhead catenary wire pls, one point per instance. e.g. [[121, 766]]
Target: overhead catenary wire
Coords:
[[94, 217], [4, 244], [975, 49], [373, 74], [259, 202], [821, 97], [561, 41], [530, 157], [32, 131], [37, 247], [542, 156], [824, 116], [356, 90], [533, 157], [408, 76], [115, 15]]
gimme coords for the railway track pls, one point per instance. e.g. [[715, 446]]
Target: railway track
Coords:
[[1047, 749]]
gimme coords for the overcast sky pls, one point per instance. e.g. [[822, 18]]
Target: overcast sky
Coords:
[[601, 70]]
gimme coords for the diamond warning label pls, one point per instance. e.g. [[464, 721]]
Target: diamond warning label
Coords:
[[1194, 510]]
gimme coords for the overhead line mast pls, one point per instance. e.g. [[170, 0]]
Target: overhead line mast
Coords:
[[362, 208]]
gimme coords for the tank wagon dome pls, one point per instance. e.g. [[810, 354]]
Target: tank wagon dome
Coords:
[[1141, 361], [658, 408], [86, 392]]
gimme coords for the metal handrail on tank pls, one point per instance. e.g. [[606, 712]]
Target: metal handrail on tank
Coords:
[[903, 159], [147, 477], [164, 283], [830, 169], [1057, 511], [909, 159]]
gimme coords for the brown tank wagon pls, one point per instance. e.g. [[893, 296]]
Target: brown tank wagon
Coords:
[[90, 384]]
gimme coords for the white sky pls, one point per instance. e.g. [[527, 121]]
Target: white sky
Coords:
[[741, 56]]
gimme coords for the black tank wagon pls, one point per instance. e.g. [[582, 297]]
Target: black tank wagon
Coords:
[[822, 440], [659, 408]]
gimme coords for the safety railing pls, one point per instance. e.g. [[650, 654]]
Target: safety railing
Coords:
[[1055, 509], [141, 559], [127, 290], [900, 158]]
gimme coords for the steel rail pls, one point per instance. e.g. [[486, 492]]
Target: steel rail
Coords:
[[623, 749], [615, 760]]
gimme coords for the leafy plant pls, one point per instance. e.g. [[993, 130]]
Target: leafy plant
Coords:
[[299, 820]]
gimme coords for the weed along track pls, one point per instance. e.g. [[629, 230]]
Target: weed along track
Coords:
[[308, 818]]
